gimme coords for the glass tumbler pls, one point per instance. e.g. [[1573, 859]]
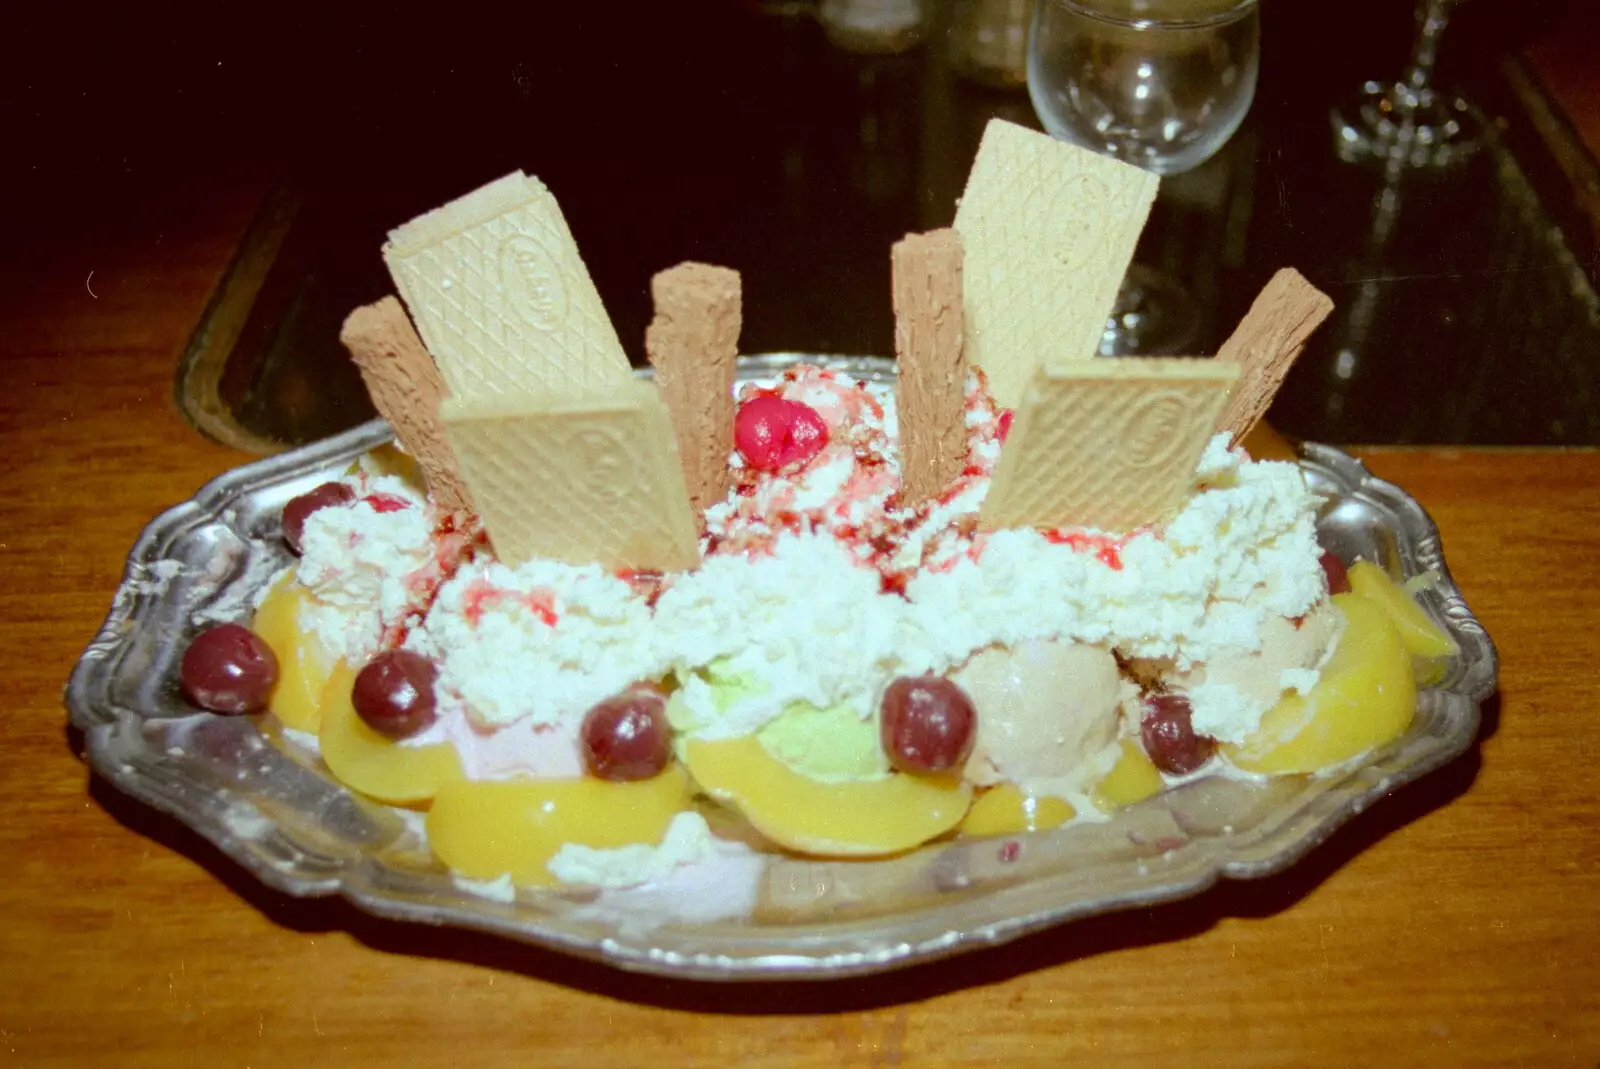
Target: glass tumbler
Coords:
[[1160, 84]]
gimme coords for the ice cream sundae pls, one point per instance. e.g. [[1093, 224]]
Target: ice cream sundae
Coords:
[[602, 629]]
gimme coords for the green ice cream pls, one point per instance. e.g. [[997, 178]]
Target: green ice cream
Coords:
[[830, 745]]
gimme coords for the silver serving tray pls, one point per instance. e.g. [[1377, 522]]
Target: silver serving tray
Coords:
[[274, 810]]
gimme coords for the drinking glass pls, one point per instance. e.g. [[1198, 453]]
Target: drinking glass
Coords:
[[1160, 84], [1410, 121]]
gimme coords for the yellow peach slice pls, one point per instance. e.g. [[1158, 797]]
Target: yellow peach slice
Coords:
[[1366, 697], [386, 459], [1132, 779], [373, 764], [859, 818], [1417, 630], [303, 664], [1005, 810], [484, 829]]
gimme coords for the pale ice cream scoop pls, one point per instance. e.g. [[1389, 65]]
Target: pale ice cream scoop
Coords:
[[1044, 708], [1229, 693]]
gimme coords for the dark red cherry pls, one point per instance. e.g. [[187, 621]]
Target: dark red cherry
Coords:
[[627, 737], [296, 511], [1167, 729], [393, 694], [229, 669], [928, 724]]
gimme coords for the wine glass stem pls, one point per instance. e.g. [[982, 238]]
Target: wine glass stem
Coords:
[[1414, 87]]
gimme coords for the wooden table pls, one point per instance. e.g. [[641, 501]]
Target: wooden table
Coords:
[[1457, 923]]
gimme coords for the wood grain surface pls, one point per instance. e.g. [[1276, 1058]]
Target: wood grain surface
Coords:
[[1457, 923]]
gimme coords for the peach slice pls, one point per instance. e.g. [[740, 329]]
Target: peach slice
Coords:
[[484, 829], [378, 767], [1417, 630], [1366, 697], [387, 459], [1005, 810], [1132, 779], [304, 665], [858, 818]]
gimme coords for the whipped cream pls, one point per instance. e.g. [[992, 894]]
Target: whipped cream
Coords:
[[811, 627], [542, 643], [806, 619], [361, 561], [1241, 552], [841, 491], [850, 490], [818, 588], [688, 841], [1229, 695]]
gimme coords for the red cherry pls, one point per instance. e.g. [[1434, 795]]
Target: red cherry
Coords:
[[1338, 577], [927, 724], [772, 433], [296, 511], [393, 694], [1169, 737], [627, 737], [229, 669]]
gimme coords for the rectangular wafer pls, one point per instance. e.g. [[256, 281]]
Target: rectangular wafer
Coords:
[[693, 344], [577, 479], [1048, 229], [1266, 343], [406, 389], [931, 376], [501, 296], [1110, 444]]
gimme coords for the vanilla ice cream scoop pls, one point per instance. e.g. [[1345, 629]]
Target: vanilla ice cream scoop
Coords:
[[1229, 693], [1044, 707]]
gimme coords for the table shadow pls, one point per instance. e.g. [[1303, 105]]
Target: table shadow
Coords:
[[1062, 945]]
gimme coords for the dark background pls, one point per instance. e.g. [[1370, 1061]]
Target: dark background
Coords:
[[736, 133]]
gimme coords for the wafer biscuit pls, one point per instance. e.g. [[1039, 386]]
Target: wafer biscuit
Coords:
[[693, 344], [581, 480], [1266, 343], [1048, 230], [406, 389], [931, 378], [502, 297], [1108, 444]]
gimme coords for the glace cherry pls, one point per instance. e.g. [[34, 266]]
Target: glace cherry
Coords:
[[772, 433], [393, 694], [627, 737], [229, 669], [927, 724], [1167, 729]]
